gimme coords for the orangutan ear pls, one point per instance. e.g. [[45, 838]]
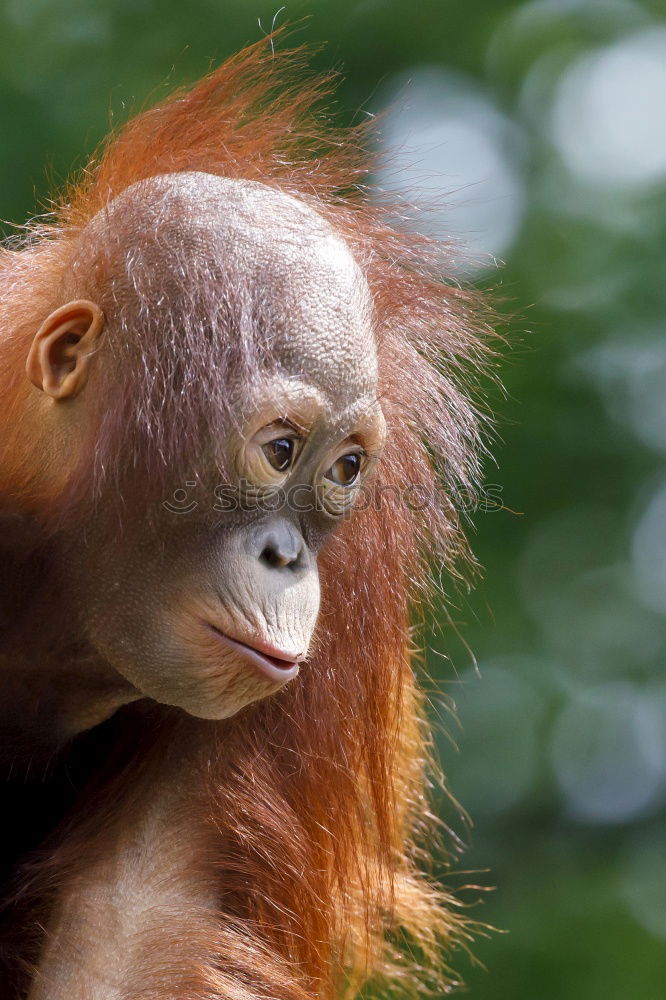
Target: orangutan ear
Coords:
[[60, 353]]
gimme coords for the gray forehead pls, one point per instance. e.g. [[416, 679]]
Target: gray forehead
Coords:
[[291, 256]]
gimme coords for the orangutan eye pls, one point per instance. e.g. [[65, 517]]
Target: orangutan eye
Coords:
[[280, 453], [345, 470]]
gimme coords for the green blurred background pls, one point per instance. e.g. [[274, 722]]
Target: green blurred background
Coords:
[[538, 132]]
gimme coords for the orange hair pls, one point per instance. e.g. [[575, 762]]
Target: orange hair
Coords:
[[318, 795]]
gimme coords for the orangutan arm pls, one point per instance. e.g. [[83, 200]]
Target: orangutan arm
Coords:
[[138, 917]]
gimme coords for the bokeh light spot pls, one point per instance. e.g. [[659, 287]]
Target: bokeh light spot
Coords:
[[447, 149], [608, 753], [609, 113], [499, 715]]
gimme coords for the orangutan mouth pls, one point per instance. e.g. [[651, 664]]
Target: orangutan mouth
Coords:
[[274, 663]]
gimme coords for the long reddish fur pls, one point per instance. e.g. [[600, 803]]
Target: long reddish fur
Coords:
[[318, 796]]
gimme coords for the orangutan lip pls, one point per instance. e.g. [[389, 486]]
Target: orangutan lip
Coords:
[[273, 663]]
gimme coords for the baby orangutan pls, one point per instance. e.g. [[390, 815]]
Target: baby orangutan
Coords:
[[223, 370]]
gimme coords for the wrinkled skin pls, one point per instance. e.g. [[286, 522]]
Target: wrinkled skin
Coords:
[[176, 582]]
